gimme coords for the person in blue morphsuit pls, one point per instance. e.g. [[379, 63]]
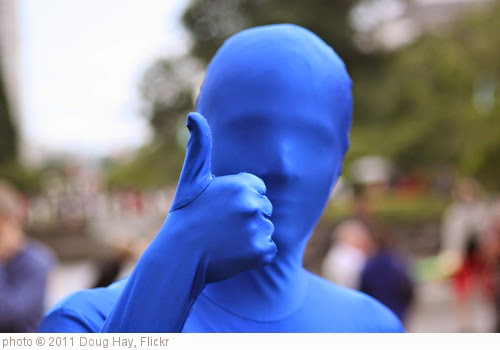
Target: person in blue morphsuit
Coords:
[[265, 150]]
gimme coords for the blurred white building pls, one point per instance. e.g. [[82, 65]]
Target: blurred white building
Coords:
[[390, 24]]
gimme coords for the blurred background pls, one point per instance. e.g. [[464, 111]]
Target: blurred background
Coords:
[[93, 100]]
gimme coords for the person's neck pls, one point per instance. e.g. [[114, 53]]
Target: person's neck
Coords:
[[267, 294]]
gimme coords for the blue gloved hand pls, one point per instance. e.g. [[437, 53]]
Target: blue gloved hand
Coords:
[[216, 228], [226, 218]]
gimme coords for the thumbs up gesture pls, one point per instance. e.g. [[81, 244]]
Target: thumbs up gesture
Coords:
[[217, 227], [224, 220]]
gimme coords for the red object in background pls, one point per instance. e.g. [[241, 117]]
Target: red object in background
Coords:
[[474, 270], [412, 184]]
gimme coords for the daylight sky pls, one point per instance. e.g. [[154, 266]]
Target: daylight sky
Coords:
[[80, 63]]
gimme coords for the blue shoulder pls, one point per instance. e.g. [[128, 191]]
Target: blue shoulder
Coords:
[[82, 311], [360, 312], [384, 320]]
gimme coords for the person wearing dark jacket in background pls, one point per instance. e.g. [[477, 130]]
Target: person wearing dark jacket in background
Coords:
[[386, 278], [24, 268]]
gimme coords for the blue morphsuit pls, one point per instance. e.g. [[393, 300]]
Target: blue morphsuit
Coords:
[[255, 181]]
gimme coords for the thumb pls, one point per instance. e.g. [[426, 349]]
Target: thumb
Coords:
[[195, 174]]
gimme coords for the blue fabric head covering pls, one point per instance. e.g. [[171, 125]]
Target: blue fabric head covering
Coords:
[[278, 101]]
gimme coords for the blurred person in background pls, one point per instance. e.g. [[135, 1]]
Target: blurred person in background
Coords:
[[352, 244], [463, 225], [24, 268], [463, 220], [492, 249], [386, 277], [111, 266], [362, 209]]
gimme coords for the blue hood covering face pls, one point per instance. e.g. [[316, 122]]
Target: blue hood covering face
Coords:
[[278, 101]]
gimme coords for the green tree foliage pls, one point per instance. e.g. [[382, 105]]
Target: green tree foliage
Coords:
[[10, 169], [210, 22], [166, 85], [8, 135], [168, 94], [436, 102], [155, 165]]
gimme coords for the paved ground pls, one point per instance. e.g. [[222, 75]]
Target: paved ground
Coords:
[[433, 311]]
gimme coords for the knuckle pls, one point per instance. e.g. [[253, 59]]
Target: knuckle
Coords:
[[270, 227], [259, 182], [247, 175], [257, 204], [264, 248], [242, 185], [244, 177], [255, 182], [236, 189], [268, 255], [251, 209], [268, 206], [254, 229]]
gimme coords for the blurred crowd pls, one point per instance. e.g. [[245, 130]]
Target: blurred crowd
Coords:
[[363, 256]]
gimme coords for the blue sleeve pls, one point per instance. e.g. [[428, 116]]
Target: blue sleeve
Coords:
[[160, 291], [170, 274], [156, 297]]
